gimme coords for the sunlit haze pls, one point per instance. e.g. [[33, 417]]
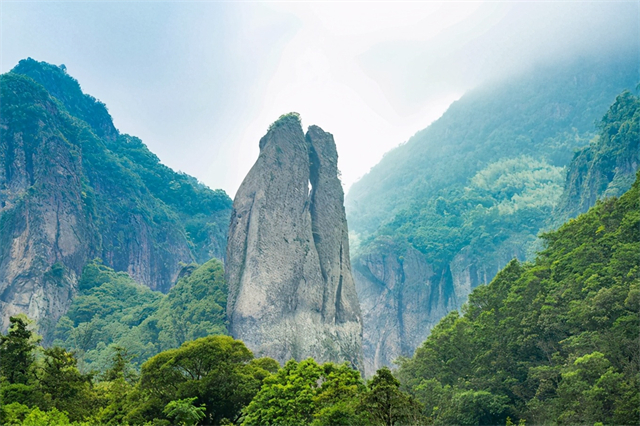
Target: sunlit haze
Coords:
[[200, 82]]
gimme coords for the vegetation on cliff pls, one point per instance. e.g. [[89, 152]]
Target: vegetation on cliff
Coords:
[[545, 114], [111, 310], [605, 168], [551, 342], [203, 212], [75, 189], [488, 173], [449, 209]]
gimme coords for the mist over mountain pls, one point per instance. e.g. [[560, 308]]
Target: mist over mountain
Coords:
[[444, 212]]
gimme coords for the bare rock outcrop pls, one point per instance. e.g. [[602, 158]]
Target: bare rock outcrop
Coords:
[[403, 296], [291, 292], [72, 189]]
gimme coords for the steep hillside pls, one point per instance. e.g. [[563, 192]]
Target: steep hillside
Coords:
[[447, 210], [550, 342], [546, 114], [72, 188], [606, 168]]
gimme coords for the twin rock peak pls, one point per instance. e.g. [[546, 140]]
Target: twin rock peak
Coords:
[[291, 291]]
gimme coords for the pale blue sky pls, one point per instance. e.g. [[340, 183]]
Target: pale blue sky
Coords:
[[199, 82]]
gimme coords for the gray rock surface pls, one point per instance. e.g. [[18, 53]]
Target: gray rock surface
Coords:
[[73, 189], [403, 297], [50, 226], [291, 292]]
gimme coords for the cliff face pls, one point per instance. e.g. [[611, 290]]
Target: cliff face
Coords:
[[403, 296], [72, 190], [607, 167], [291, 292]]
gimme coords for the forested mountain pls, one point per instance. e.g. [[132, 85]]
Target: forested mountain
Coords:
[[547, 113], [93, 225], [72, 189], [550, 342], [446, 211]]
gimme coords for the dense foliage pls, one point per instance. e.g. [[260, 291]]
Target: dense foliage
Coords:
[[112, 310], [503, 205], [483, 179], [206, 381], [305, 393], [545, 114], [553, 341], [213, 380]]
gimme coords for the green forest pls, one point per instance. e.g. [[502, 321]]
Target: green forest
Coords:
[[486, 176], [213, 380], [510, 200], [111, 310], [554, 341]]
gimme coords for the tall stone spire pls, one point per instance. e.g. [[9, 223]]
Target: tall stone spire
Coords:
[[291, 292]]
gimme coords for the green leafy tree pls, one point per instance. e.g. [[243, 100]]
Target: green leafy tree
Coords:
[[287, 397], [19, 414], [386, 404], [17, 364], [116, 390], [303, 393], [337, 402], [17, 352], [63, 387], [183, 412], [218, 371], [120, 366]]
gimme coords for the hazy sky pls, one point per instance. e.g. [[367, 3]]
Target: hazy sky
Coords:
[[200, 82]]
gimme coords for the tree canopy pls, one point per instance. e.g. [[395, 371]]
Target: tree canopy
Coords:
[[553, 341]]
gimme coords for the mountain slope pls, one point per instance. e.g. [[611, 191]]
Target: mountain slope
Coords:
[[447, 210], [544, 114], [73, 189], [550, 342]]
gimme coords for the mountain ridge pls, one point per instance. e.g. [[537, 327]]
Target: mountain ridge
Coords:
[[69, 195], [445, 211]]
